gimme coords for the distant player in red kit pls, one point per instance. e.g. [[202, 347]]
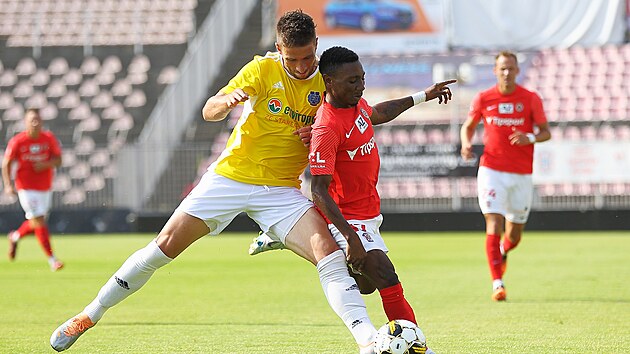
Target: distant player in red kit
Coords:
[[344, 162], [37, 153], [504, 181]]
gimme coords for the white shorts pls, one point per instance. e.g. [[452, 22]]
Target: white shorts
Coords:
[[35, 203], [508, 194], [217, 200], [368, 231]]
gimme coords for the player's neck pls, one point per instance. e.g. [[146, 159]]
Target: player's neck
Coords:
[[506, 89], [33, 134]]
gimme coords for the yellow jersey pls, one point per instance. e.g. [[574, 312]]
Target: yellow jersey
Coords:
[[262, 149]]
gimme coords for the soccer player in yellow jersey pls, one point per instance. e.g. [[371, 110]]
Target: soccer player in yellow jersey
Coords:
[[258, 173]]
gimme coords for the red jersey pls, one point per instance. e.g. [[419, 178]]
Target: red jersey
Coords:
[[343, 146], [521, 110], [26, 151]]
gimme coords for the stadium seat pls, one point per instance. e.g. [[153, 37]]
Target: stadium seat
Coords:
[[6, 100], [99, 158], [61, 183], [74, 196], [89, 88], [57, 88], [80, 170], [95, 182], [73, 77], [70, 100], [41, 77], [8, 78], [121, 88], [136, 99], [58, 66], [90, 65], [23, 89], [26, 67]]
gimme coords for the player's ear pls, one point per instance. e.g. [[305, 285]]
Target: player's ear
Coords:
[[278, 47]]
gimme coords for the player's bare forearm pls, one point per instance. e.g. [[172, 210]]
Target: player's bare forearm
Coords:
[[6, 175], [388, 110], [355, 253], [466, 134], [219, 106]]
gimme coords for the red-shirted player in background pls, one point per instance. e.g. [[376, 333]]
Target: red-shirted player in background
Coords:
[[344, 162], [36, 153], [504, 181]]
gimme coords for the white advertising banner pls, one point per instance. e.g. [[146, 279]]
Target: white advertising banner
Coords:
[[582, 162], [376, 27]]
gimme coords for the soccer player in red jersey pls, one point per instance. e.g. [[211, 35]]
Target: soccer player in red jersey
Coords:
[[510, 114], [344, 162], [36, 153]]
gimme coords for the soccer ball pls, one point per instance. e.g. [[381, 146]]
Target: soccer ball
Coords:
[[400, 337]]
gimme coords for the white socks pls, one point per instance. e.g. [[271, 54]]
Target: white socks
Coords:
[[344, 297], [130, 277], [497, 283]]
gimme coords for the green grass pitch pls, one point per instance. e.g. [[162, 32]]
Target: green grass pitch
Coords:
[[567, 293]]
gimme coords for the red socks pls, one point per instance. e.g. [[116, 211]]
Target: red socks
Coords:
[[395, 305], [494, 255], [25, 228], [508, 245], [43, 236]]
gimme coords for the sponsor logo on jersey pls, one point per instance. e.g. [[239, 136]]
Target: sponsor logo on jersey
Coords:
[[35, 148], [500, 122], [299, 117], [314, 98], [365, 149], [274, 105], [506, 108], [316, 161]]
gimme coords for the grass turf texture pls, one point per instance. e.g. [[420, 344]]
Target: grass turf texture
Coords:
[[567, 293]]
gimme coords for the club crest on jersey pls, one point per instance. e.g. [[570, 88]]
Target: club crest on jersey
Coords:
[[274, 105], [314, 98], [361, 122], [506, 108], [519, 107]]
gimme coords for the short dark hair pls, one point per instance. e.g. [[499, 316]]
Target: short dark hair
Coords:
[[295, 29], [333, 57]]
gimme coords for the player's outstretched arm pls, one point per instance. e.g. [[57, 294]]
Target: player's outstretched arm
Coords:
[[6, 176], [218, 106], [388, 110]]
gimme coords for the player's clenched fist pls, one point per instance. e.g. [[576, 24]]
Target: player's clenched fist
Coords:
[[235, 97]]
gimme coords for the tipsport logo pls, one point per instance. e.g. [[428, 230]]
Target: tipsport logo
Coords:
[[274, 105]]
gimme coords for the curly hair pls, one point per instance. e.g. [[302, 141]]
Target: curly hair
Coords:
[[333, 57], [295, 29]]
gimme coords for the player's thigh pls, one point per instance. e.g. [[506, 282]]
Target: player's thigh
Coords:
[[368, 231], [216, 200], [310, 238], [520, 198], [34, 203], [180, 231], [277, 210], [491, 191]]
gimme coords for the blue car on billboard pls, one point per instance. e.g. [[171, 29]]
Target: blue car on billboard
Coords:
[[368, 15]]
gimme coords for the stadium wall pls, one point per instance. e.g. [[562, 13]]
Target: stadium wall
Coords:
[[100, 221]]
